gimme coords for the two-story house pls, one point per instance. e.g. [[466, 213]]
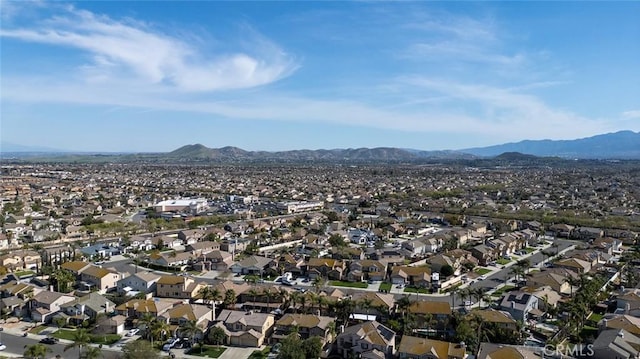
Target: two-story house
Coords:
[[102, 279], [87, 307], [246, 329], [431, 313], [170, 286], [185, 312], [364, 339], [367, 269], [325, 268], [46, 303], [520, 305], [307, 325], [142, 282], [136, 308]]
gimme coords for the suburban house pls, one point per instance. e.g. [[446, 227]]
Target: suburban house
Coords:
[[364, 339], [143, 282], [110, 325], [493, 351], [202, 248], [437, 312], [307, 325], [255, 265], [190, 236], [575, 264], [520, 305], [171, 259], [423, 245], [499, 318], [166, 241], [136, 308], [75, 267], [626, 322], [629, 302], [415, 276], [421, 348], [289, 263], [169, 286], [102, 279], [556, 281], [616, 343], [325, 268], [247, 329], [215, 260], [484, 253], [367, 269], [87, 307], [378, 304], [46, 303], [182, 313]]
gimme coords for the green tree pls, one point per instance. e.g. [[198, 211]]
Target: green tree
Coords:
[[91, 353], [36, 351], [190, 330], [217, 335], [337, 240], [446, 271], [312, 347], [80, 339], [230, 298], [291, 348], [210, 295], [140, 349]]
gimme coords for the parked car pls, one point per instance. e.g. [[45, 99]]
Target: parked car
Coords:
[[133, 332], [49, 340], [170, 344], [482, 277], [2, 346]]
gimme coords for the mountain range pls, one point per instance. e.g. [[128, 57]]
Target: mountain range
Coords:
[[618, 145]]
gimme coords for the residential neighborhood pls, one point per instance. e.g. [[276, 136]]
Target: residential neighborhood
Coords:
[[377, 262]]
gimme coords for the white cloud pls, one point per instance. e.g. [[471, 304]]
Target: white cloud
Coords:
[[629, 115], [121, 48]]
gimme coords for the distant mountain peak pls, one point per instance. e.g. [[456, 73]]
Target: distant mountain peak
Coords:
[[616, 145]]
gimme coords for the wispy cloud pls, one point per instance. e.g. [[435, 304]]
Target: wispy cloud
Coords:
[[121, 49], [630, 115]]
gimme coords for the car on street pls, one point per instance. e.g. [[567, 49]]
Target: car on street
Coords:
[[2, 346], [482, 277], [468, 303], [49, 340], [133, 332]]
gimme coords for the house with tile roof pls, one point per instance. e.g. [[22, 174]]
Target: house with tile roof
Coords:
[[325, 268], [307, 325], [101, 278], [497, 317], [429, 312], [419, 348], [364, 338], [415, 276], [556, 281], [575, 264], [629, 302], [87, 307], [505, 351], [173, 286], [75, 267], [136, 308], [182, 313], [245, 329], [46, 303], [257, 265], [142, 282]]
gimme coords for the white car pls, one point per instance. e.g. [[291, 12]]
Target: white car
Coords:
[[133, 332], [468, 303], [2, 346], [482, 277]]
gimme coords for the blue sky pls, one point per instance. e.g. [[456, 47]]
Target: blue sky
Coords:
[[153, 76]]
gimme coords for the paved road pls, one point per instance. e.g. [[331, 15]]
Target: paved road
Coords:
[[16, 345]]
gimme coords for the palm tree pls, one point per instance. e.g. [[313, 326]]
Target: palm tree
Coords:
[[572, 282], [190, 329], [403, 304], [318, 283], [229, 298], [365, 303], [321, 300], [525, 264], [147, 319], [210, 295], [254, 293], [295, 297], [91, 353], [80, 339], [36, 351], [159, 329]]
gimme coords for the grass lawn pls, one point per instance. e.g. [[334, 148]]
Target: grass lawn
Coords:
[[503, 261], [97, 339], [501, 291], [385, 286], [339, 283], [208, 351], [25, 273], [595, 317], [482, 271], [260, 354], [38, 329], [529, 250], [416, 290]]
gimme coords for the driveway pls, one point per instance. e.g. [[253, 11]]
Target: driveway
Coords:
[[237, 353]]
